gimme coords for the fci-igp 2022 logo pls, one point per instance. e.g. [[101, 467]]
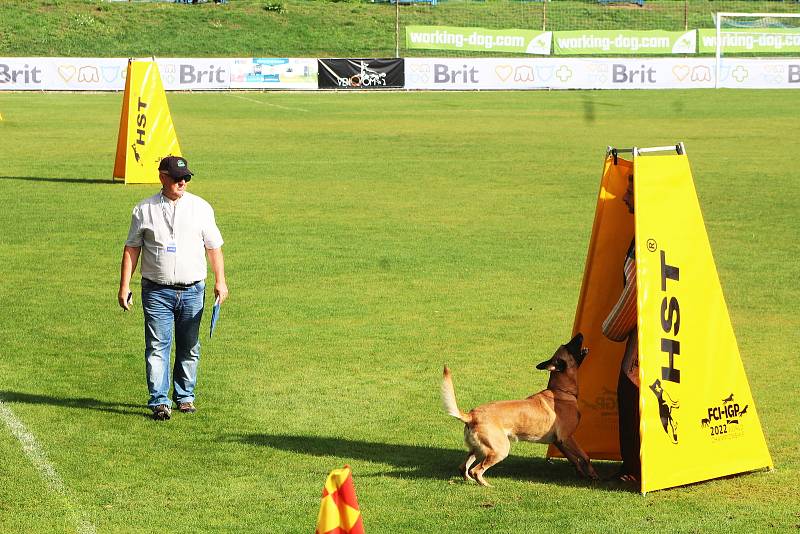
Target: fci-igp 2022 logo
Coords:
[[724, 419]]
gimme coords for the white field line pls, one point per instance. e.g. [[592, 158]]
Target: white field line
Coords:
[[267, 103], [39, 460]]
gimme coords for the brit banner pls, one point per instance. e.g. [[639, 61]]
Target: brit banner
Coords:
[[221, 74], [552, 73], [361, 73], [195, 74], [62, 74], [599, 73]]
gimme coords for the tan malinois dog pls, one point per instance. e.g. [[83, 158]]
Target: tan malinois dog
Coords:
[[550, 416]]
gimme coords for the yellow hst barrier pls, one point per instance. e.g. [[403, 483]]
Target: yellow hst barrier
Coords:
[[698, 419], [146, 132]]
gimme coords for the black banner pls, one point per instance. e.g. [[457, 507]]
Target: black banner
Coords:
[[361, 73]]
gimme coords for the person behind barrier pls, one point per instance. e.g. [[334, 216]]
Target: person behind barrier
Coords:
[[621, 325], [173, 231]]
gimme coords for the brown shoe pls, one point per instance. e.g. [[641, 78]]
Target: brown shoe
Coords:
[[186, 407], [161, 412]]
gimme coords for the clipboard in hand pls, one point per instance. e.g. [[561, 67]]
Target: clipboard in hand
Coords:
[[214, 317]]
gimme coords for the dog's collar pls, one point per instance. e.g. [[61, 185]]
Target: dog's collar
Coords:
[[568, 392]]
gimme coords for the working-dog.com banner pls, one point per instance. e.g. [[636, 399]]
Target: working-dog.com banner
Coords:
[[361, 73]]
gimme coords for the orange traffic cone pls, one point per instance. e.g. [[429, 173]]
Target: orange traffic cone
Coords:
[[338, 511]]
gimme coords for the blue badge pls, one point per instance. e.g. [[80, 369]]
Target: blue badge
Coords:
[[172, 248]]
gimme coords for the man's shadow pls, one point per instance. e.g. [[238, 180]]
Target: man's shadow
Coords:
[[61, 180], [84, 403], [414, 461]]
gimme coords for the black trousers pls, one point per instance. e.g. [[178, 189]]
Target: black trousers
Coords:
[[628, 409]]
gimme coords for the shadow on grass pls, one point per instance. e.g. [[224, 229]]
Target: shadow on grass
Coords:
[[61, 180], [415, 461], [84, 403]]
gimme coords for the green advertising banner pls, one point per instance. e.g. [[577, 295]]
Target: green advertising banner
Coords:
[[624, 42], [750, 40], [478, 39]]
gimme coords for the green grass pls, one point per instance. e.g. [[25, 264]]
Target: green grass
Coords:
[[370, 238], [303, 28]]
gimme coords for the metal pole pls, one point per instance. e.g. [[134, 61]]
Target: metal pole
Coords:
[[677, 147], [544, 16], [397, 28], [620, 150], [717, 51], [685, 15]]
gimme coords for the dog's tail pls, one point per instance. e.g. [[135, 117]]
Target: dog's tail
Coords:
[[449, 398]]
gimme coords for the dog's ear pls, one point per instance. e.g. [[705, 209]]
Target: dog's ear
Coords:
[[553, 364], [574, 346]]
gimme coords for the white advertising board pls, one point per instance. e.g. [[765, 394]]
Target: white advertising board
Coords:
[[191, 74], [759, 73], [195, 74], [597, 73], [108, 74], [62, 74]]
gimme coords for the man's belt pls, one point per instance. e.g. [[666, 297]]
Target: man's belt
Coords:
[[177, 287]]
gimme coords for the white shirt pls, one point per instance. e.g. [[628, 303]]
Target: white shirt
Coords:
[[173, 237]]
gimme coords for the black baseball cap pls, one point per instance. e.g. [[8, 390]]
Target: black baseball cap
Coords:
[[176, 167]]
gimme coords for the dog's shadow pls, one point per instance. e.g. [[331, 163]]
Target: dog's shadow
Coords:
[[414, 461]]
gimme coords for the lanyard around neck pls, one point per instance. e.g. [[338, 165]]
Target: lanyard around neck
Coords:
[[170, 224]]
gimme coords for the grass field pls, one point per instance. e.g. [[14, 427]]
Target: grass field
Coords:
[[370, 238], [311, 28]]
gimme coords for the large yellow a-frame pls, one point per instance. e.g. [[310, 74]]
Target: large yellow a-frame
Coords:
[[698, 418], [146, 133]]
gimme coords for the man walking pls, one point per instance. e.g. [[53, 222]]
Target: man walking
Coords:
[[173, 231]]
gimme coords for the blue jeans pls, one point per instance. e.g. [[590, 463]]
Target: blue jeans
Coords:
[[165, 308]]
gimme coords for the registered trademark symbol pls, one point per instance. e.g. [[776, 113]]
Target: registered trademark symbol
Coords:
[[652, 245]]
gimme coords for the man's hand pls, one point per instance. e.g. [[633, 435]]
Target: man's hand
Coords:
[[220, 291], [130, 256], [125, 298], [218, 266]]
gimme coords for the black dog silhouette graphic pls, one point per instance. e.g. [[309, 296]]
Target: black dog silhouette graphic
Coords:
[[135, 152], [665, 407], [729, 399]]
